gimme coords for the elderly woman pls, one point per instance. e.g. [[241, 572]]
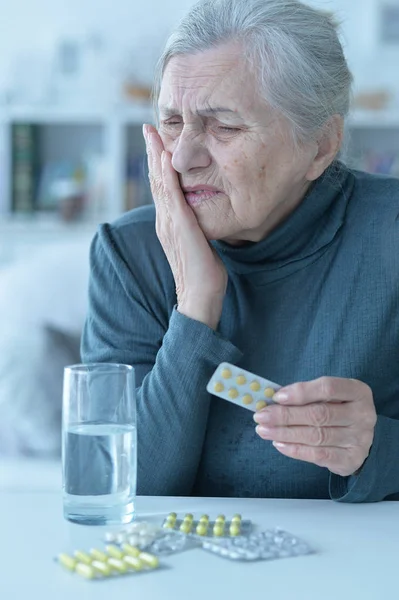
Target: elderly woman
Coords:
[[262, 250]]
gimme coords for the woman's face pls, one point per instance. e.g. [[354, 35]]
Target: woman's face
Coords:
[[225, 140]]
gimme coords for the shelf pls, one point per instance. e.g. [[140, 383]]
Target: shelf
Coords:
[[120, 114]]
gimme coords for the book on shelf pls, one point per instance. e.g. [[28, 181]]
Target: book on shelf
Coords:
[[25, 166]]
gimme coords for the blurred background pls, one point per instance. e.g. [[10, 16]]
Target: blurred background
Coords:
[[75, 80]]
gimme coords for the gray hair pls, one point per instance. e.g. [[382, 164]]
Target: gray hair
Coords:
[[293, 49]]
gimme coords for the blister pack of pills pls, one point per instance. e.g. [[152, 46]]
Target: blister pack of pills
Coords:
[[113, 561], [242, 387], [204, 527], [265, 545], [139, 534]]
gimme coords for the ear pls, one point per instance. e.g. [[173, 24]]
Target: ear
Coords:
[[327, 146]]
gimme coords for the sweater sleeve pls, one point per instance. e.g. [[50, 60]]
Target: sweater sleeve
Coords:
[[378, 479], [173, 363]]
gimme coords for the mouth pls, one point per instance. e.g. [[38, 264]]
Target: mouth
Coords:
[[197, 195]]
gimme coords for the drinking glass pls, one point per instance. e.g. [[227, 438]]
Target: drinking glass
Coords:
[[99, 455]]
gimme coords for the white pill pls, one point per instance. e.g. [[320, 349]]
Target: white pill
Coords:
[[121, 538], [134, 540], [109, 536]]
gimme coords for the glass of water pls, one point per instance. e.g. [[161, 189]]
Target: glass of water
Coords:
[[99, 457]]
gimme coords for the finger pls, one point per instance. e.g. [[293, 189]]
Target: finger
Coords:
[[154, 147], [339, 437], [337, 460], [318, 414], [326, 389]]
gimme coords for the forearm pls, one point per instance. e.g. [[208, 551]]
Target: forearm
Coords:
[[173, 406], [378, 479]]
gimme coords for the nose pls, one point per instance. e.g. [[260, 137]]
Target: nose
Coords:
[[190, 153]]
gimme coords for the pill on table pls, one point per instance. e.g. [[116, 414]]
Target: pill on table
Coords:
[[236, 518], [269, 392], [117, 564], [261, 404], [189, 517], [218, 529], [234, 529], [83, 557], [166, 525], [185, 527], [149, 559], [202, 528], [98, 554], [101, 567], [220, 519], [131, 550], [226, 373], [133, 562], [233, 393], [241, 380], [204, 519], [255, 386], [67, 561], [171, 517], [84, 570], [110, 537], [114, 552], [218, 387], [247, 399], [134, 539]]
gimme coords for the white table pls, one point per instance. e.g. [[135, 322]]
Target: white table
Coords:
[[357, 553]]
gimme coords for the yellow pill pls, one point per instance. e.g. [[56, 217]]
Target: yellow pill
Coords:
[[204, 519], [84, 570], [188, 517], [234, 529], [269, 392], [98, 554], [226, 373], [247, 399], [149, 559], [171, 518], [233, 393], [185, 527], [67, 561], [218, 529], [220, 519], [133, 562], [130, 550], [261, 404], [114, 552], [202, 528], [241, 380], [236, 518], [117, 565], [101, 567], [169, 525], [255, 386], [218, 387], [83, 557]]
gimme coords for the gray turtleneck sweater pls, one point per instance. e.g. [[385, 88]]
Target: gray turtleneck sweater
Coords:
[[319, 296]]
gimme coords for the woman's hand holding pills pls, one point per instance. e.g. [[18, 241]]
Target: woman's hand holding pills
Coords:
[[328, 421], [200, 276]]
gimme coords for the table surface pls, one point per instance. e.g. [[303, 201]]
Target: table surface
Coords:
[[356, 552]]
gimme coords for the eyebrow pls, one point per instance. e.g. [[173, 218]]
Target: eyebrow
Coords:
[[170, 112]]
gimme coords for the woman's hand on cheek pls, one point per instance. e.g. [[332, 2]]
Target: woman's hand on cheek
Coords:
[[328, 421], [200, 276]]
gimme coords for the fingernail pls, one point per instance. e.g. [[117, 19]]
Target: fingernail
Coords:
[[145, 132], [260, 430], [281, 397], [262, 417], [279, 444]]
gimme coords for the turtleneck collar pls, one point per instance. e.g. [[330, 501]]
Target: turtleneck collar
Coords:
[[306, 232]]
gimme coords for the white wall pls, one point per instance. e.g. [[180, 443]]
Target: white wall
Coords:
[[142, 25]]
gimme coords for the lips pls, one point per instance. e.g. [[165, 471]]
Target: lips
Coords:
[[197, 195]]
